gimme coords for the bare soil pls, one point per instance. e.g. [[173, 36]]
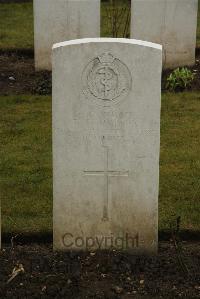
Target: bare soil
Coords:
[[108, 275], [18, 75], [15, 1]]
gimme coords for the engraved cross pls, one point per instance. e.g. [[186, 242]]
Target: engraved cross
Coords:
[[107, 174]]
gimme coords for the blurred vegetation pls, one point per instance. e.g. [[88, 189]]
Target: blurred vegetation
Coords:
[[16, 23]]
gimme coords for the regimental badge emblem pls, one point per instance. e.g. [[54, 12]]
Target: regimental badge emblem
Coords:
[[106, 80]]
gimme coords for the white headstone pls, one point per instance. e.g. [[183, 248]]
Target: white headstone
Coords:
[[171, 23], [106, 140], [59, 20]]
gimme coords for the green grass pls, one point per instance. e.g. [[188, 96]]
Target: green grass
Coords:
[[26, 163], [180, 160], [16, 25]]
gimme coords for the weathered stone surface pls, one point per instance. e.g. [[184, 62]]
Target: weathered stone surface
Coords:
[[59, 20], [106, 140], [171, 23]]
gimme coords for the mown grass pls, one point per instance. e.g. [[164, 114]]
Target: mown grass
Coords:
[[16, 25], [180, 160], [26, 162]]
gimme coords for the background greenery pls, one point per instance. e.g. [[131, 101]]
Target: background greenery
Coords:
[[16, 24]]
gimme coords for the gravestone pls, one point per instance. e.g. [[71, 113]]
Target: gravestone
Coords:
[[59, 20], [106, 139], [171, 23]]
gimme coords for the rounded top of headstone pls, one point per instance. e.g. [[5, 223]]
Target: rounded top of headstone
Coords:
[[107, 40]]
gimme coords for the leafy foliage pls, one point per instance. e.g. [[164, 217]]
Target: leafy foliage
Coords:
[[180, 79]]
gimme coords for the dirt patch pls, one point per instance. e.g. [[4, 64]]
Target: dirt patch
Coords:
[[116, 275], [15, 1], [18, 75]]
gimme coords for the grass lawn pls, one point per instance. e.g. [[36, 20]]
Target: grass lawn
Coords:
[[25, 166], [16, 25], [26, 163]]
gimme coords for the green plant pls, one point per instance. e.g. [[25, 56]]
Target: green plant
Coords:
[[180, 79]]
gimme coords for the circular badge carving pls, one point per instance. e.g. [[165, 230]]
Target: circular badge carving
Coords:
[[106, 80]]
